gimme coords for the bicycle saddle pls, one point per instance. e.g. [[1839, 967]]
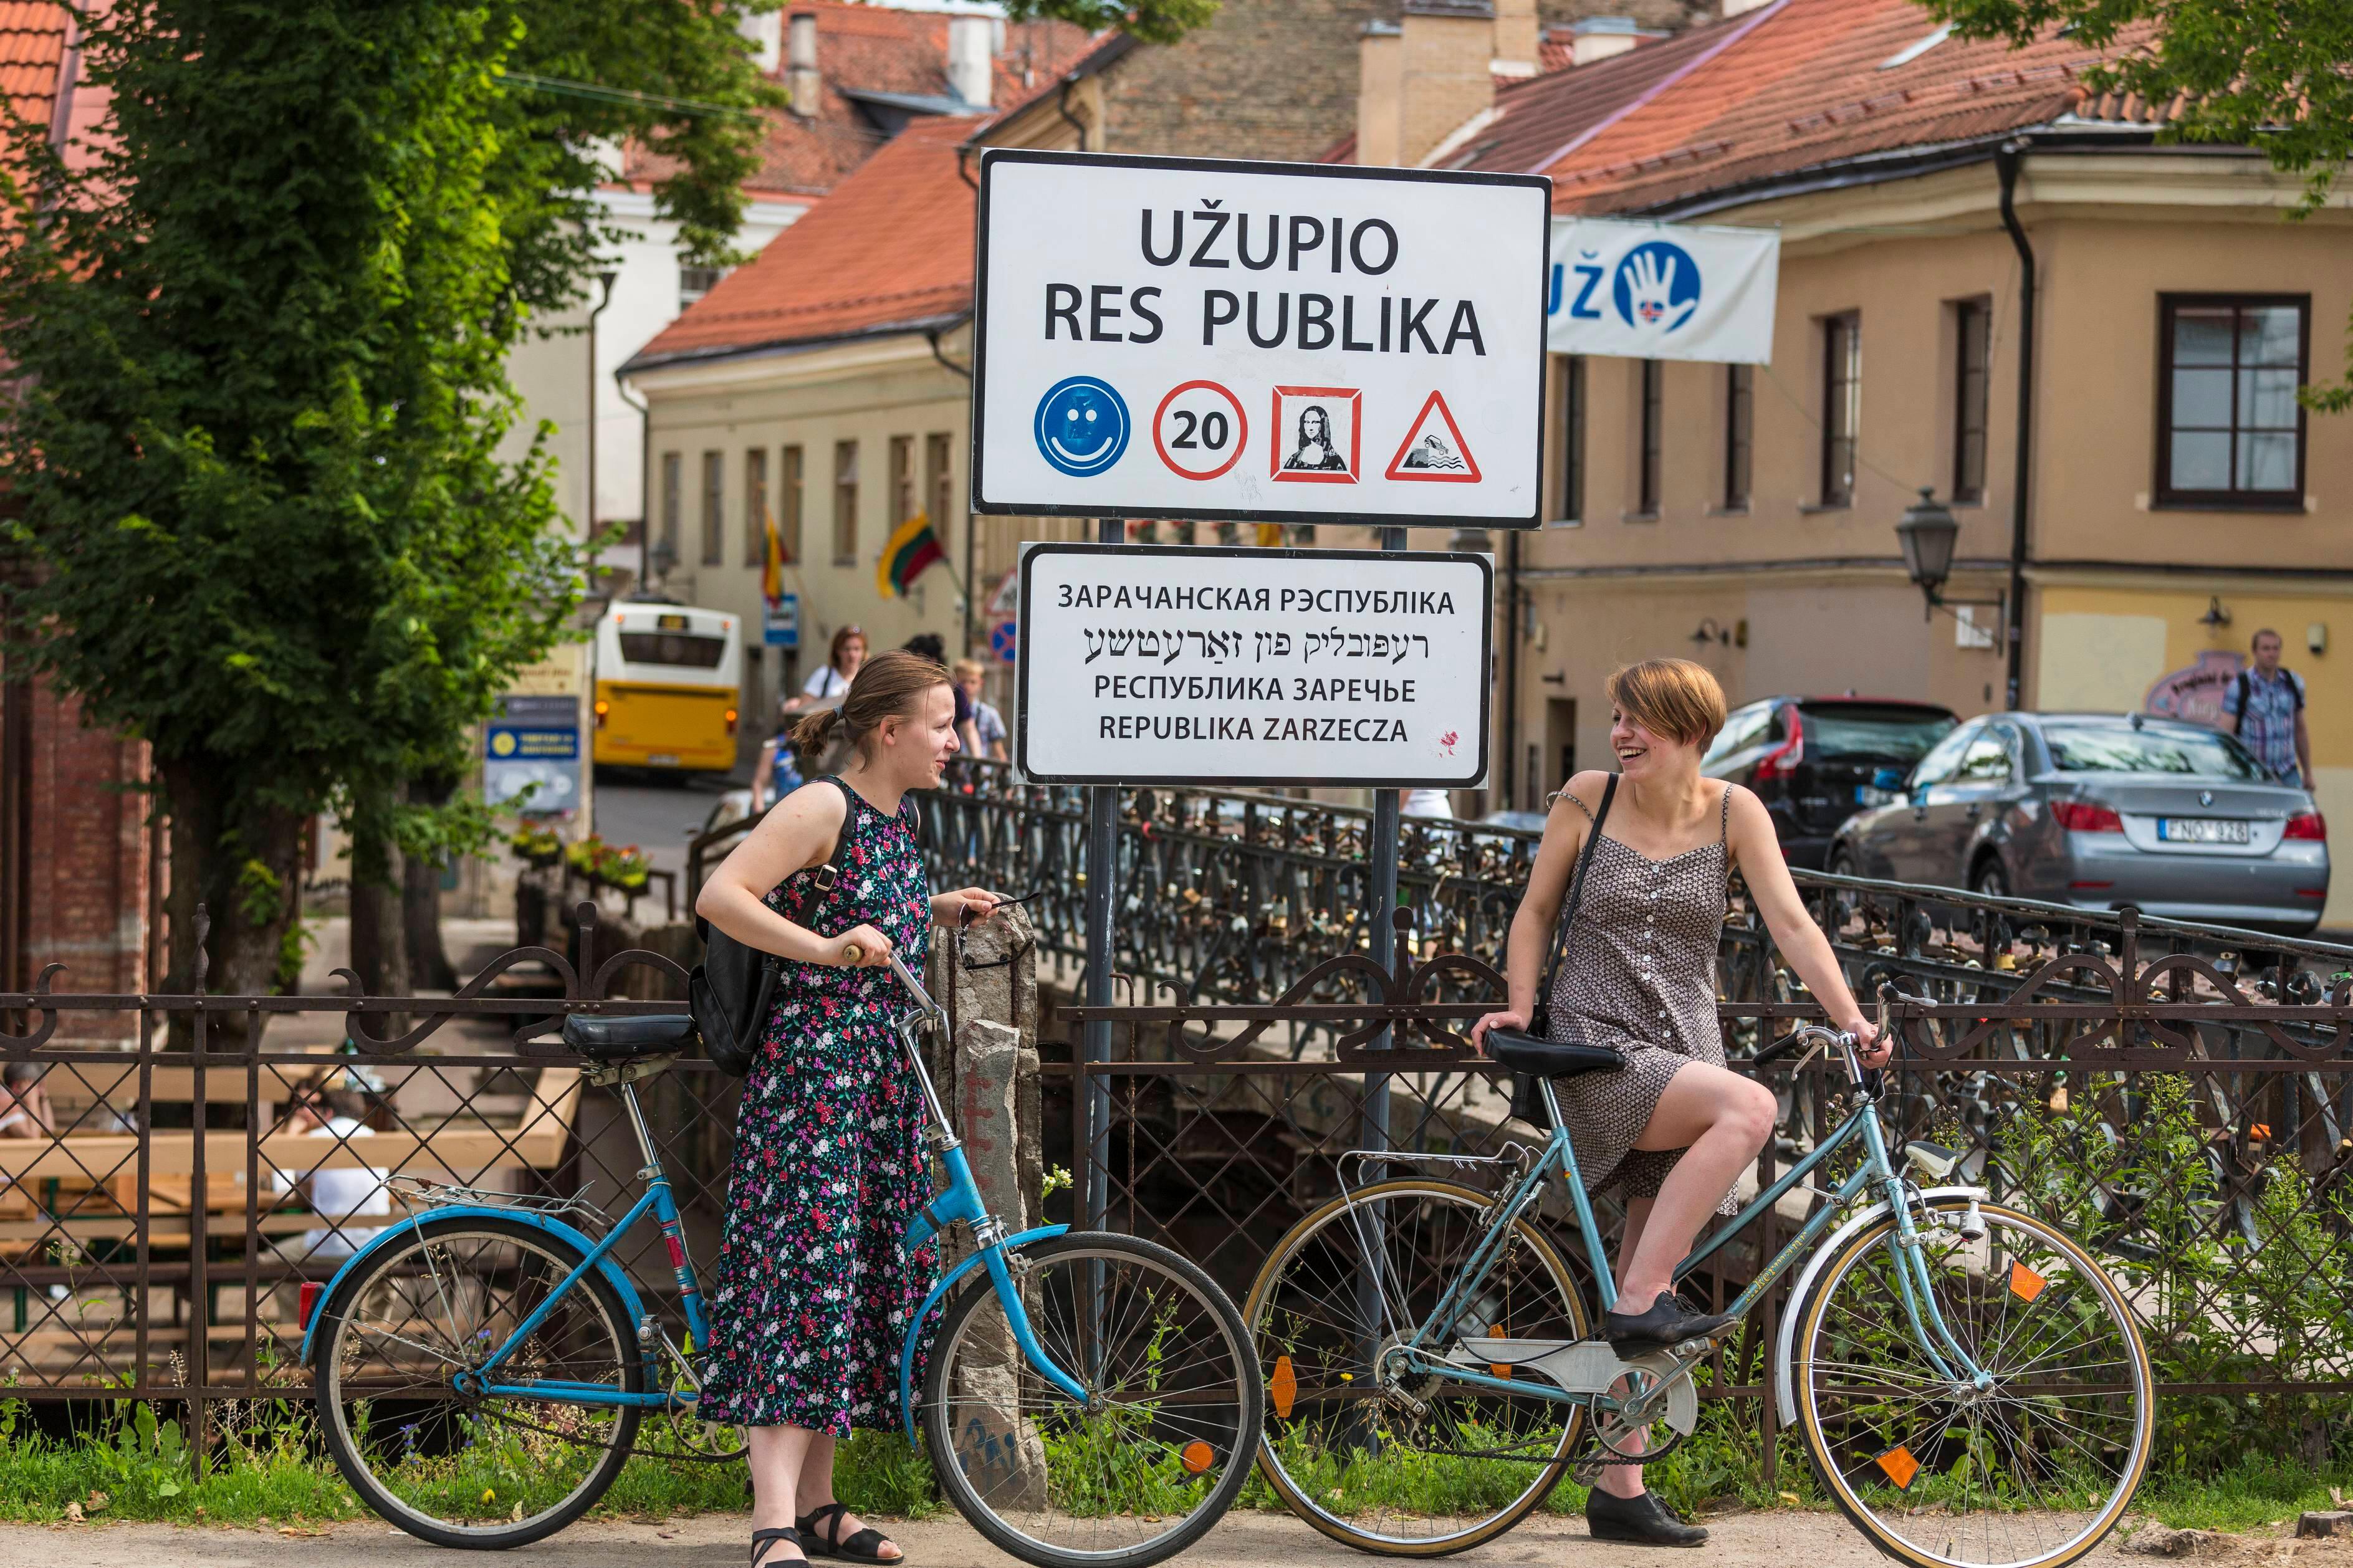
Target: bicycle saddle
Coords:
[[618, 1040], [1553, 1059]]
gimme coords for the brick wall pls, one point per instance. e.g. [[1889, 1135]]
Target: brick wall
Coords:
[[85, 884], [1268, 79]]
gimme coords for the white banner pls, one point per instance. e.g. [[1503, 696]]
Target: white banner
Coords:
[[1195, 338], [1144, 665], [1652, 290]]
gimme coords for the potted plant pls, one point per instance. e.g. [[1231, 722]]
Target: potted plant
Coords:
[[535, 844]]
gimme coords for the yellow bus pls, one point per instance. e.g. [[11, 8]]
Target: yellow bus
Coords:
[[669, 687]]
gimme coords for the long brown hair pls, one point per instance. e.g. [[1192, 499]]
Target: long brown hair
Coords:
[[888, 686]]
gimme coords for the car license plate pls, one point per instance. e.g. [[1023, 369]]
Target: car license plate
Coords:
[[662, 760], [2203, 830], [1868, 795]]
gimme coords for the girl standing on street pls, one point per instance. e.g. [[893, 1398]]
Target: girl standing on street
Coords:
[[1676, 1129], [813, 1293], [832, 678]]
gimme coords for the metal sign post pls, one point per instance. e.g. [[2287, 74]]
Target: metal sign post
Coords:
[[1102, 905]]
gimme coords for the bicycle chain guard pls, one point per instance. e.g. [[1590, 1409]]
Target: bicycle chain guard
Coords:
[[1589, 1367]]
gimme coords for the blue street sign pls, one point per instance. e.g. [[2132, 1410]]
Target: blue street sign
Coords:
[[781, 626], [1005, 641]]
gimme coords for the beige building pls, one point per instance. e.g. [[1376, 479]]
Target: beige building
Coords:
[[2176, 499]]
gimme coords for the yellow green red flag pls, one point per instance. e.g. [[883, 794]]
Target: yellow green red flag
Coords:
[[911, 550]]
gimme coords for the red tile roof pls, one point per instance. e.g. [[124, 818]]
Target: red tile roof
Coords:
[[877, 50], [32, 48], [891, 249], [1796, 86], [1809, 86]]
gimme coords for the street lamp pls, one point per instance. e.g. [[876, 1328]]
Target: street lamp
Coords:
[[660, 556], [1928, 534]]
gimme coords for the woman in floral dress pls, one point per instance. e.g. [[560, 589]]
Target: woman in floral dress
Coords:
[[813, 1292]]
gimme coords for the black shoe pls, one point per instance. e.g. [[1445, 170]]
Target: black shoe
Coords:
[[1664, 1324], [1640, 1521]]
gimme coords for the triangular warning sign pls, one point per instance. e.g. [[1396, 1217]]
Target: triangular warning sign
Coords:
[[1433, 449]]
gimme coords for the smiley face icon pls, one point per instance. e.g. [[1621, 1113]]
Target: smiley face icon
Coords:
[[1083, 426]]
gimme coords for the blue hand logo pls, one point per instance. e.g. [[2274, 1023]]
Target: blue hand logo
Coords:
[[1656, 288], [1083, 426]]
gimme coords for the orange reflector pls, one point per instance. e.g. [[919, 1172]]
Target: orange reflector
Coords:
[[1199, 1456], [1500, 1368], [2025, 1283], [1283, 1386], [1900, 1465]]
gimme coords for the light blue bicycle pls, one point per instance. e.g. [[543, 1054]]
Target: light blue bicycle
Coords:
[[1968, 1381], [485, 1368]]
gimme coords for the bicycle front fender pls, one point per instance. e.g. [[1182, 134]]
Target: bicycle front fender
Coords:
[[1785, 1388], [393, 1234], [922, 1313]]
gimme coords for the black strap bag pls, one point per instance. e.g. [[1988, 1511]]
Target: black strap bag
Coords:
[[1528, 1103], [732, 991]]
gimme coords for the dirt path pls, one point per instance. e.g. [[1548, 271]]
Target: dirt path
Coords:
[[1243, 1540]]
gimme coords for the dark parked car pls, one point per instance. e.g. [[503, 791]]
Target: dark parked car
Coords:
[[1812, 760], [2100, 810]]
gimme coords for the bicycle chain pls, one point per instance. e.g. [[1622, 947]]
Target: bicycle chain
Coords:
[[632, 1451]]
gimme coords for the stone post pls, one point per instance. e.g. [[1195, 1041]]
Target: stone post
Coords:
[[987, 977]]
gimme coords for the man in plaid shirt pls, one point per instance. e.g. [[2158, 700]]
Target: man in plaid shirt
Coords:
[[2264, 708]]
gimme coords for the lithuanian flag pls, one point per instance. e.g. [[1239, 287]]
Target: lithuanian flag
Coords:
[[911, 550], [772, 571]]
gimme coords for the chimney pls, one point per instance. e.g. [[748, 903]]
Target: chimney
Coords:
[[972, 62], [766, 31], [1516, 32], [801, 77], [1379, 92], [1445, 47], [1599, 38], [1737, 7]]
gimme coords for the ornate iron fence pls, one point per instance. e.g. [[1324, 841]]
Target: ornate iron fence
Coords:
[[156, 1241]]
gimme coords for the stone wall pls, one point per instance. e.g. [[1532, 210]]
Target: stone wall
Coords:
[[1268, 79]]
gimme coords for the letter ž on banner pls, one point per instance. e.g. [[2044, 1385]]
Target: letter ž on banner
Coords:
[[1652, 290]]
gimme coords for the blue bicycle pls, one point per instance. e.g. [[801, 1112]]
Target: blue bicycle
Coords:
[[485, 1368]]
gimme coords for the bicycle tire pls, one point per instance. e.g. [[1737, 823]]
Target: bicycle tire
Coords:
[[331, 1350], [963, 1316], [1815, 1332], [1263, 1302]]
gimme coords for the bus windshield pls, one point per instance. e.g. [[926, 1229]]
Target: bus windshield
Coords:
[[681, 648]]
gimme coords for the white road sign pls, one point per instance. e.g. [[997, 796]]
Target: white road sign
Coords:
[[1174, 337], [1144, 665]]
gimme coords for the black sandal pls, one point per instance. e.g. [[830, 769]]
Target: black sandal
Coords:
[[760, 1538], [863, 1547]]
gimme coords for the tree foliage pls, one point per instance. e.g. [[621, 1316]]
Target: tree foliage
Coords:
[[2274, 75], [259, 330], [1153, 21]]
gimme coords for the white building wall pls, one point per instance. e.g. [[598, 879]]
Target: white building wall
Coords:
[[550, 372]]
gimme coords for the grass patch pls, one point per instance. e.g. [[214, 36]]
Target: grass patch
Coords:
[[121, 1460], [2253, 1494]]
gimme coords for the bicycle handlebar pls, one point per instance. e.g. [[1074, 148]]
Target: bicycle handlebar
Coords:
[[1835, 1038]]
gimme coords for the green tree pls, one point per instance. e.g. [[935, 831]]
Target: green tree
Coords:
[[259, 330], [2274, 75]]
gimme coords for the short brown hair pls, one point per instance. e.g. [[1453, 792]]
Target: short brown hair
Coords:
[[1671, 697], [888, 686]]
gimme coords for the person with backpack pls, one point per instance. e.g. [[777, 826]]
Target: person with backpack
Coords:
[[2264, 708], [813, 1294]]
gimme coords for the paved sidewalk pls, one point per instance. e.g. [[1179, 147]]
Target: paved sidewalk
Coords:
[[1242, 1541]]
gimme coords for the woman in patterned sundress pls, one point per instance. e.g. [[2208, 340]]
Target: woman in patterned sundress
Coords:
[[1676, 1129], [813, 1292]]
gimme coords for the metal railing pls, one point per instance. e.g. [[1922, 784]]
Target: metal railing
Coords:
[[155, 1242]]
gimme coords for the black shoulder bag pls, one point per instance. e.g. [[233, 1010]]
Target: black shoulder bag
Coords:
[[1527, 1105], [732, 990]]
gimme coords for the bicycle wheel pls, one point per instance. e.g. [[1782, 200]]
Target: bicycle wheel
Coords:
[[2030, 1473], [1364, 1457], [1146, 1468], [447, 1467]]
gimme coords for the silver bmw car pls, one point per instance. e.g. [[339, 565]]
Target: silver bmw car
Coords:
[[2101, 810]]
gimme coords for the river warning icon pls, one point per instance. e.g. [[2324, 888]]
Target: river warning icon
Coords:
[[1433, 449]]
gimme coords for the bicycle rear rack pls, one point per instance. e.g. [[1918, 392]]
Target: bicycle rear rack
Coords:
[[419, 1192], [1514, 1160]]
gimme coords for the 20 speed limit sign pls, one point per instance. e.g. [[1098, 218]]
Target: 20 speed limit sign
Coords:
[[1200, 429]]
